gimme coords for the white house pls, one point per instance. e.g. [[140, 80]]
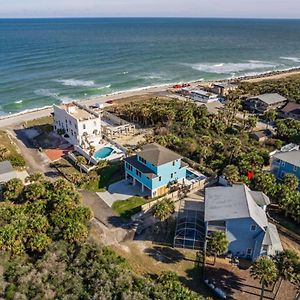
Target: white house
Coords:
[[203, 96], [81, 125]]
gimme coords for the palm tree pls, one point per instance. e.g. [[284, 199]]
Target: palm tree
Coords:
[[13, 188], [217, 243], [92, 151], [36, 177], [291, 181], [231, 173], [286, 263], [81, 160], [270, 116], [234, 146], [264, 269], [102, 164], [163, 210]]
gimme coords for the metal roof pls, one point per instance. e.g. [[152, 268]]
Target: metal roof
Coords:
[[6, 167], [291, 157], [158, 155], [232, 202], [260, 198], [271, 98], [272, 238]]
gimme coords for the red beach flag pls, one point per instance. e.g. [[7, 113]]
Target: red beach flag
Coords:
[[250, 175]]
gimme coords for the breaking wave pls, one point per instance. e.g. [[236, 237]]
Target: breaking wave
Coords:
[[51, 94], [294, 59], [230, 68], [76, 82]]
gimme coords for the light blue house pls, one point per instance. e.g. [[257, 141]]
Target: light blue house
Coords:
[[154, 169], [240, 213], [286, 163]]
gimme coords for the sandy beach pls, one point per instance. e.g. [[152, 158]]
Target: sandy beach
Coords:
[[18, 119]]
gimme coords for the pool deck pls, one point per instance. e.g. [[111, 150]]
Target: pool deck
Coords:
[[199, 176], [117, 154]]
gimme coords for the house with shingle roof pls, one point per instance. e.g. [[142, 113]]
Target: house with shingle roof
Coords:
[[291, 110], [265, 102], [286, 162], [240, 213], [154, 169]]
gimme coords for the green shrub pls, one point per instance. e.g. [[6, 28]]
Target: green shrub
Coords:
[[17, 160]]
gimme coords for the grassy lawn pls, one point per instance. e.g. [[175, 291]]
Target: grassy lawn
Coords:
[[39, 122], [129, 207], [111, 174], [7, 142], [99, 182], [13, 155], [288, 224]]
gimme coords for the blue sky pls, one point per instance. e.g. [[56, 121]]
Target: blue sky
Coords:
[[156, 8]]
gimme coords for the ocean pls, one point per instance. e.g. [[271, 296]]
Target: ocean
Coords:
[[46, 61]]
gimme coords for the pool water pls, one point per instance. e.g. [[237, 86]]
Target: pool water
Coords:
[[103, 152], [190, 175]]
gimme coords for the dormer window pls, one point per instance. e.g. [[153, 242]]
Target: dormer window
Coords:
[[253, 227]]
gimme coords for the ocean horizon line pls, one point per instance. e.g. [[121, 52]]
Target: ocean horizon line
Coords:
[[148, 17]]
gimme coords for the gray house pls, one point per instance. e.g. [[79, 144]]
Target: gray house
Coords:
[[265, 102], [240, 213], [287, 162]]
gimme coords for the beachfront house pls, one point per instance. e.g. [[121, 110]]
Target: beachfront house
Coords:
[[223, 88], [265, 102], [155, 169], [240, 213], [203, 96], [80, 125], [290, 110], [286, 162]]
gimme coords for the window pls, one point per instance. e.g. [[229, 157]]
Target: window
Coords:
[[173, 163], [249, 251], [70, 122], [84, 127], [128, 166], [253, 227], [172, 175], [159, 178], [142, 160], [295, 168], [283, 163], [138, 173]]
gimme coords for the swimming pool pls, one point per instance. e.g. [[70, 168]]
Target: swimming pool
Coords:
[[103, 153], [190, 175]]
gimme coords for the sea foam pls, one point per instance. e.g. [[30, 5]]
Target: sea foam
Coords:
[[52, 94], [294, 59], [76, 82], [231, 68]]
